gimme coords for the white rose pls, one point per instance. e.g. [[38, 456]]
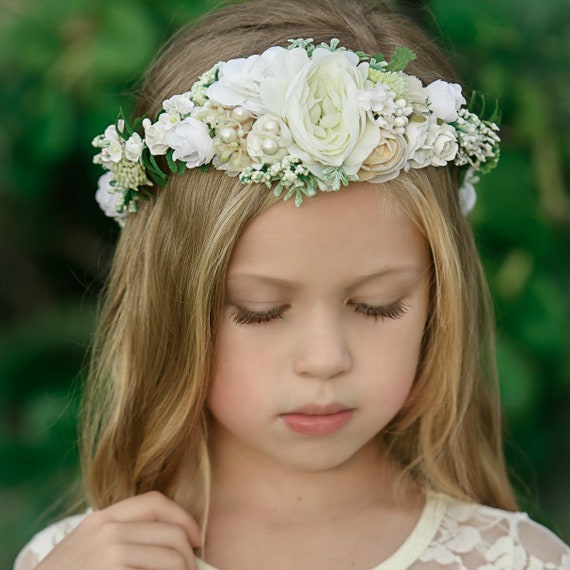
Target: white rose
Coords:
[[107, 197], [258, 83], [386, 161], [156, 133], [445, 99], [443, 142], [266, 142], [191, 142], [134, 148], [417, 155], [326, 123], [238, 83], [180, 104]]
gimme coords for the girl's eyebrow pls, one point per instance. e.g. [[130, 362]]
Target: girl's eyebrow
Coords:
[[278, 281], [413, 270]]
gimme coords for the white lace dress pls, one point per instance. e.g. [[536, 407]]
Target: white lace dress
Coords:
[[449, 535]]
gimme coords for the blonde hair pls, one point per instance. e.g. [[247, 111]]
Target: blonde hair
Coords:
[[144, 420]]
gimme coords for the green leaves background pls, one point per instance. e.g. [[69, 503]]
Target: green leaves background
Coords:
[[65, 69]]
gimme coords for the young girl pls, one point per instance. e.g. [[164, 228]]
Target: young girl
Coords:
[[298, 383]]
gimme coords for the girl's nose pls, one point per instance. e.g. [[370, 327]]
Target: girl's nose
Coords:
[[322, 349]]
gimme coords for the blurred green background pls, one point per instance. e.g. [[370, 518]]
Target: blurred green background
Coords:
[[65, 69]]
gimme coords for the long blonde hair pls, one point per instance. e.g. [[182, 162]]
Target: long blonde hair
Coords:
[[144, 419]]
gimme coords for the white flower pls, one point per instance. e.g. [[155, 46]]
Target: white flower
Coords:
[[265, 142], [416, 94], [258, 83], [445, 99], [380, 100], [443, 141], [111, 145], [107, 198], [283, 65], [416, 134], [191, 142], [180, 104], [134, 147], [467, 193], [156, 133], [326, 123], [386, 160], [239, 82]]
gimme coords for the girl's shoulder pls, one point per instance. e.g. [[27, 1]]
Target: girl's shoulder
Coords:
[[473, 536], [41, 544]]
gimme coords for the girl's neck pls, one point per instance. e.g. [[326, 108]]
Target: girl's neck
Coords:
[[348, 516], [252, 484]]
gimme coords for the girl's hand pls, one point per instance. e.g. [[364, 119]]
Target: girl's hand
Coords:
[[148, 531]]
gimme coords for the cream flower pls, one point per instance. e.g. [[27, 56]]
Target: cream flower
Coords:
[[191, 142], [386, 161], [267, 143], [445, 99], [326, 123]]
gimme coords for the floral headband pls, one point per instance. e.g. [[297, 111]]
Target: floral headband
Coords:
[[300, 119]]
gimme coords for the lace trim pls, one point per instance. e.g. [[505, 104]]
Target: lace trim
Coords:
[[449, 534]]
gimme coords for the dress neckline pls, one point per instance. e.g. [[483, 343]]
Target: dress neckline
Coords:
[[416, 542]]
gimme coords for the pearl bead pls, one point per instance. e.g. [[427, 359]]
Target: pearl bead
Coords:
[[271, 126], [269, 147], [228, 135], [240, 114]]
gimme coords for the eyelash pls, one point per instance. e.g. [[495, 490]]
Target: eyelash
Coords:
[[393, 311], [244, 317]]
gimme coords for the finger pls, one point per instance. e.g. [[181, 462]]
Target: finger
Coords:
[[155, 506], [161, 534], [145, 558]]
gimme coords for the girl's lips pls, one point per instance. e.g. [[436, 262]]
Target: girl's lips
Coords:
[[318, 420]]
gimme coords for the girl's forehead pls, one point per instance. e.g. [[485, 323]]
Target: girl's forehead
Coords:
[[356, 230]]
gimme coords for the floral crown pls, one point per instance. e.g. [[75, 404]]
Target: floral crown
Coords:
[[300, 119]]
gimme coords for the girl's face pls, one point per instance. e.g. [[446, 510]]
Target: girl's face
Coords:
[[319, 341]]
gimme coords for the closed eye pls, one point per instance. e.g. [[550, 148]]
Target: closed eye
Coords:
[[392, 311], [245, 317]]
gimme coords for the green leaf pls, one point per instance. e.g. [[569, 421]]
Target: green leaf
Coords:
[[171, 162], [157, 179], [400, 59], [486, 111], [156, 169], [137, 125]]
